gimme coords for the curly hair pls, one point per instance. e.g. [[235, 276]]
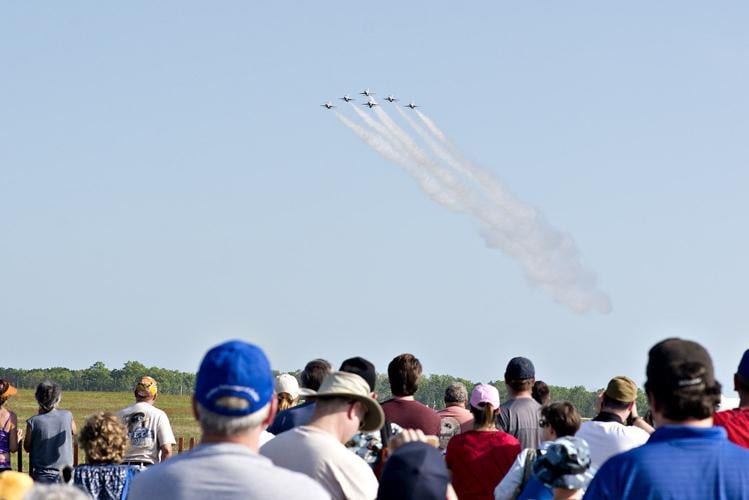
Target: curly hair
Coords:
[[103, 438]]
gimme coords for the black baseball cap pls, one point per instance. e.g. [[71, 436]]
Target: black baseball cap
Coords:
[[675, 364], [520, 368], [362, 367], [415, 471]]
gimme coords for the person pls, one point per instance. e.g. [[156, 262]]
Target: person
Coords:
[[56, 492], [14, 485], [311, 377], [520, 413], [287, 391], [404, 372], [343, 405], [565, 469], [415, 471], [480, 458], [456, 397], [686, 457], [149, 431], [232, 402], [736, 421], [103, 439], [8, 426], [49, 435], [369, 445], [617, 427], [560, 419], [541, 393]]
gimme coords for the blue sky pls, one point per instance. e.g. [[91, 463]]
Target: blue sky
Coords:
[[168, 180]]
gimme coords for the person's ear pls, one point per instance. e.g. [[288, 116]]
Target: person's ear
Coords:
[[195, 408], [273, 410]]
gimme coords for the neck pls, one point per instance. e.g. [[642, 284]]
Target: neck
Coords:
[[147, 401], [250, 440], [332, 425], [521, 394], [404, 398], [690, 422], [458, 405], [623, 414], [743, 400]]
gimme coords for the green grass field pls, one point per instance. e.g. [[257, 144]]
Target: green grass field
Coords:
[[82, 404]]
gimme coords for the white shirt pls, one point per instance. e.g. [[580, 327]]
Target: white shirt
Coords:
[[505, 490], [148, 429], [606, 439], [322, 457]]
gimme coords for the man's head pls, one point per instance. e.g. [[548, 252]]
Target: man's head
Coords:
[[146, 389], [234, 389], [415, 471], [314, 373], [344, 399], [404, 372], [456, 394], [520, 375], [681, 384], [741, 377], [620, 394], [362, 367]]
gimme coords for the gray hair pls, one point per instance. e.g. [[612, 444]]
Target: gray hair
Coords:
[[56, 492], [456, 393], [48, 395], [223, 425]]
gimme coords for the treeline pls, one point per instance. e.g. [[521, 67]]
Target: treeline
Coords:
[[98, 377]]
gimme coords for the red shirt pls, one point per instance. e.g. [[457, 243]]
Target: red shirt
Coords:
[[479, 460], [411, 414], [736, 424]]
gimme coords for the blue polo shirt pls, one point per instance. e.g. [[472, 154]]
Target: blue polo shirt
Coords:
[[677, 462], [293, 417]]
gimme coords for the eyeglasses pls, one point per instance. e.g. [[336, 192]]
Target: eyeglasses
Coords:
[[542, 423]]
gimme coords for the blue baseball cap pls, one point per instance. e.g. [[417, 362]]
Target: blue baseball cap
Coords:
[[744, 365], [234, 369], [520, 368]]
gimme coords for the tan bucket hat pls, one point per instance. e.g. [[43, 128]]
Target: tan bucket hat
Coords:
[[352, 386]]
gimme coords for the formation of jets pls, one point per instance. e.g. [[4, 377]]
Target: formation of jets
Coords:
[[371, 103]]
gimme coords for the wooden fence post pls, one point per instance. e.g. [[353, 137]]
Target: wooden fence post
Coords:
[[75, 454], [180, 444], [20, 458], [192, 443]]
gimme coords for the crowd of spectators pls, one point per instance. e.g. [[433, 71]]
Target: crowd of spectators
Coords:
[[325, 435]]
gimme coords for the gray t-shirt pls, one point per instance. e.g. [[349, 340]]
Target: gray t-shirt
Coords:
[[222, 471], [519, 417], [51, 443]]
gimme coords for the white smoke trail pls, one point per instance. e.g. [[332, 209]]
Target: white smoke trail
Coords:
[[550, 258], [428, 184]]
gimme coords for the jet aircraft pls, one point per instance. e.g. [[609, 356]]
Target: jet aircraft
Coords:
[[411, 105], [390, 98], [371, 103], [367, 93], [327, 105], [347, 98]]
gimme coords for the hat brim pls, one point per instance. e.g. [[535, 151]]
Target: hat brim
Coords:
[[375, 417], [10, 391]]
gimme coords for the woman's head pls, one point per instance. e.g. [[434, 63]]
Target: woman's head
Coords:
[[104, 438], [287, 390], [541, 393], [6, 391], [48, 395], [484, 405]]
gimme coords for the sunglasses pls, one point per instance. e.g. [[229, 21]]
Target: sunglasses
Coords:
[[542, 423]]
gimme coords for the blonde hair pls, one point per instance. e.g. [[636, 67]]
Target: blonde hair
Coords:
[[285, 401], [104, 438]]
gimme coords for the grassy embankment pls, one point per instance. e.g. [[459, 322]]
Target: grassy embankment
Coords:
[[82, 404]]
